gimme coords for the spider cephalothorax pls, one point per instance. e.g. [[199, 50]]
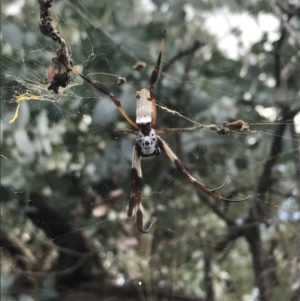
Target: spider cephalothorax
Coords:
[[148, 143]]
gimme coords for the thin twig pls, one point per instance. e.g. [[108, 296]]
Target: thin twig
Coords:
[[187, 51], [58, 75]]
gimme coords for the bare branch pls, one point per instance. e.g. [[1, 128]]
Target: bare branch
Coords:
[[14, 246], [187, 51], [216, 209], [295, 285], [208, 277], [258, 212], [295, 36]]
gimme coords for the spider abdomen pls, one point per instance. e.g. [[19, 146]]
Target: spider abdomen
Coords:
[[144, 109]]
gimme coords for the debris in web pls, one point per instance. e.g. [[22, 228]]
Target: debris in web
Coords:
[[58, 74], [239, 125], [19, 99], [139, 65], [121, 81]]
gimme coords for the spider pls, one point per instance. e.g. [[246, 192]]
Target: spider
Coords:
[[148, 142]]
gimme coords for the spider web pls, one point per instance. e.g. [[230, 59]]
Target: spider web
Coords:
[[64, 149]]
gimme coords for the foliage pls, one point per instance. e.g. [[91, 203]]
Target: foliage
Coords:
[[66, 146]]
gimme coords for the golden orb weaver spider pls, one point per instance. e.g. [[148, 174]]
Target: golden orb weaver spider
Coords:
[[148, 143]]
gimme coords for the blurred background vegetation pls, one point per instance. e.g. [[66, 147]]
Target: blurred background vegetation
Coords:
[[65, 171]]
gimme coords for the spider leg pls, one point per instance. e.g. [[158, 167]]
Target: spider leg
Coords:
[[104, 90], [215, 189], [179, 130], [153, 80], [136, 185], [136, 178], [163, 145], [128, 131]]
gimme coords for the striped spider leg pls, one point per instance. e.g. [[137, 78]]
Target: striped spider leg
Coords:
[[136, 187], [212, 192]]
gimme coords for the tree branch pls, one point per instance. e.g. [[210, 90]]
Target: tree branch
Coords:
[[208, 278], [23, 256], [295, 285], [258, 211], [295, 36], [57, 228]]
